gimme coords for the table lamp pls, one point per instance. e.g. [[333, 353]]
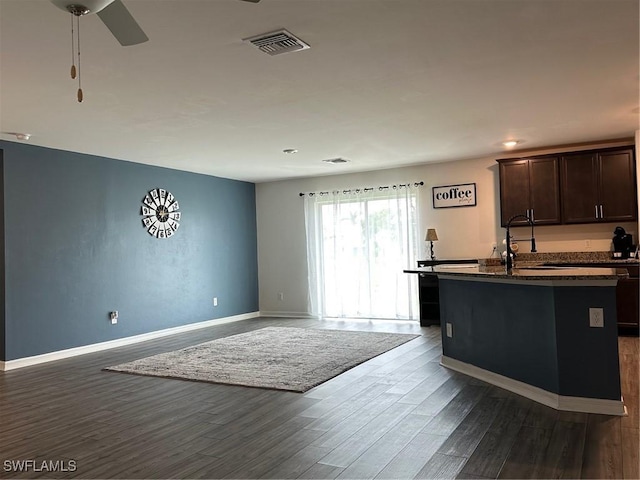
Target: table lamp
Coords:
[[432, 236]]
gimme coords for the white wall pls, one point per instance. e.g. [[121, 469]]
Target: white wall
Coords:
[[637, 240], [467, 232]]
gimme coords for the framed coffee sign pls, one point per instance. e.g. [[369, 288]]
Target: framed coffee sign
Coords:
[[447, 196]]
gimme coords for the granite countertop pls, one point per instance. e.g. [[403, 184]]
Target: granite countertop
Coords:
[[524, 272], [534, 272], [565, 257], [533, 266]]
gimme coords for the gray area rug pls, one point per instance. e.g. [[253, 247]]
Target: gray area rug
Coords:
[[281, 358]]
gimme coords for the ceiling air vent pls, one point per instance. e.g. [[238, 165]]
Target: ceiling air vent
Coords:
[[336, 161], [275, 43]]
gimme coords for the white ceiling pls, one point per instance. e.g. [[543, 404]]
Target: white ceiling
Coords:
[[386, 83]]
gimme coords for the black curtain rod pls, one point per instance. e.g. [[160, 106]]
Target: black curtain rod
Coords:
[[366, 189]]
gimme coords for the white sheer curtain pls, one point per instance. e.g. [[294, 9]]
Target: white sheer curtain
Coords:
[[358, 243]]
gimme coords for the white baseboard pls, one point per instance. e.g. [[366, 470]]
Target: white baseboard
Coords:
[[97, 347], [553, 400], [286, 314]]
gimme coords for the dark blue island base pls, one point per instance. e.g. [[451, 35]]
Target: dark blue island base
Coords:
[[533, 337]]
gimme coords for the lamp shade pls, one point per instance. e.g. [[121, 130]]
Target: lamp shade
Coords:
[[432, 236]]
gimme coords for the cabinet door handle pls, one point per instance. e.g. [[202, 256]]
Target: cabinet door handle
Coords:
[[601, 214], [596, 211]]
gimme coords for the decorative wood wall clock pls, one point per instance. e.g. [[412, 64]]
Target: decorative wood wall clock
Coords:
[[160, 212]]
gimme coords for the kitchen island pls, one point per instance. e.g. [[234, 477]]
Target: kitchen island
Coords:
[[529, 331]]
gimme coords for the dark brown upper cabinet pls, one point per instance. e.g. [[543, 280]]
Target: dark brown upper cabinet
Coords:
[[530, 186], [598, 186]]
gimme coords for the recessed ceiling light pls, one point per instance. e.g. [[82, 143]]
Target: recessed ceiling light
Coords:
[[510, 143], [336, 160]]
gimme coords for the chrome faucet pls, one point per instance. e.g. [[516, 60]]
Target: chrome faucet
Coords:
[[509, 251]]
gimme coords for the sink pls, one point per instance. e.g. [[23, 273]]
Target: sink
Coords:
[[542, 267], [461, 265]]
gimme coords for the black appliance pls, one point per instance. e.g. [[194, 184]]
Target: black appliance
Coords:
[[622, 244]]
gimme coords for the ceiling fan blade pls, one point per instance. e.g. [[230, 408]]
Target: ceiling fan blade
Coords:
[[122, 25], [252, 1]]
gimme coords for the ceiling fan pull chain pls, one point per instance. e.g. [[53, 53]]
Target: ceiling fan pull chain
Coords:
[[80, 96], [73, 52]]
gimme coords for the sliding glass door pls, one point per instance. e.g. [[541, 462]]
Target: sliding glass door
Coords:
[[358, 243]]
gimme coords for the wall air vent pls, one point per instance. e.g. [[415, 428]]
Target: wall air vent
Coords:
[[276, 43]]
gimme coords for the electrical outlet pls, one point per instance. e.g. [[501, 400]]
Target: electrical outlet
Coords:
[[215, 301], [280, 296], [596, 317], [114, 317], [449, 330]]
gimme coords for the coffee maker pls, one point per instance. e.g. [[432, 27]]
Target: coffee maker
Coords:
[[622, 244]]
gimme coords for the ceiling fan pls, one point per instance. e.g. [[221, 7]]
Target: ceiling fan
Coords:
[[114, 15]]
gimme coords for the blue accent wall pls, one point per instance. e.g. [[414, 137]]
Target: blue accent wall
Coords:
[[76, 249], [536, 334], [507, 329]]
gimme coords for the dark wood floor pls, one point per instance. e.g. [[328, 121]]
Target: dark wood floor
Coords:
[[400, 415]]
